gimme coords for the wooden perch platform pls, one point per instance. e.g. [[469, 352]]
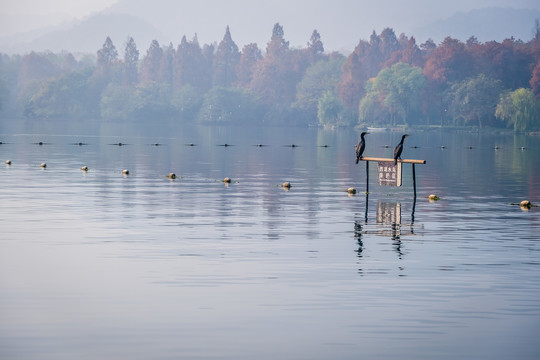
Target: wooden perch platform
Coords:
[[405, 161]]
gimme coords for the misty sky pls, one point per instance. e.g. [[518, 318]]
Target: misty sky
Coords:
[[357, 16]]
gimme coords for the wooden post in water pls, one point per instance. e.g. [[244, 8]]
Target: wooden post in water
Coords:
[[367, 177], [414, 180]]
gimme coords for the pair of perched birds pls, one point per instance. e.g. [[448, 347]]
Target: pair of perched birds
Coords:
[[362, 146]]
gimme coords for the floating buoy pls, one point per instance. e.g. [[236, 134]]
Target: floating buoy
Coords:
[[286, 185], [120, 144], [8, 162], [125, 172], [43, 165], [227, 180], [469, 147], [496, 147], [172, 176], [84, 168], [443, 147], [525, 204], [433, 197], [351, 191], [40, 143]]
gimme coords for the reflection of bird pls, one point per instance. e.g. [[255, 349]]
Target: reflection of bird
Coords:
[[361, 147], [399, 149]]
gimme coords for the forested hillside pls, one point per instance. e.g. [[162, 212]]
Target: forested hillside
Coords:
[[388, 80]]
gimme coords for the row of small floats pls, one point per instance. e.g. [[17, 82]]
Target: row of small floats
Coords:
[[524, 204]]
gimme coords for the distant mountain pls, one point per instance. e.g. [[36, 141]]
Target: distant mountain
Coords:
[[486, 24], [87, 35], [341, 24]]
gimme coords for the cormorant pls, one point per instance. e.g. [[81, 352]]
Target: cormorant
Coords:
[[399, 149], [361, 147]]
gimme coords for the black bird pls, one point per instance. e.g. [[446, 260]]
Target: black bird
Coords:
[[399, 149], [361, 147]]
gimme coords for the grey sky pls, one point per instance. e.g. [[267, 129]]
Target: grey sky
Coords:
[[341, 22]]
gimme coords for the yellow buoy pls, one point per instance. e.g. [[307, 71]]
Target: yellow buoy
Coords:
[[227, 180], [433, 197], [8, 162], [125, 172], [351, 191], [172, 176], [43, 165], [525, 204], [84, 168]]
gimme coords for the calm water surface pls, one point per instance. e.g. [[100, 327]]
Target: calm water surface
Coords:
[[98, 265]]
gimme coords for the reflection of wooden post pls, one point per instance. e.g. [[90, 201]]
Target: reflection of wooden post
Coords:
[[414, 180], [367, 177]]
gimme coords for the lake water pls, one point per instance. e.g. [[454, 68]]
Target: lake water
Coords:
[[100, 265]]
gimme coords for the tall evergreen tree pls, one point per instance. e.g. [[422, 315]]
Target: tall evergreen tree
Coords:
[[251, 55], [315, 47], [151, 63], [131, 61], [226, 60], [107, 55]]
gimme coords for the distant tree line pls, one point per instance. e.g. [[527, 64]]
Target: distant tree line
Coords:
[[386, 81]]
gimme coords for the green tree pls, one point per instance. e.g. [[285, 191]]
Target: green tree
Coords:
[[319, 78], [399, 90], [229, 106], [331, 110], [152, 100], [60, 97], [473, 101], [520, 109], [116, 102], [187, 101]]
